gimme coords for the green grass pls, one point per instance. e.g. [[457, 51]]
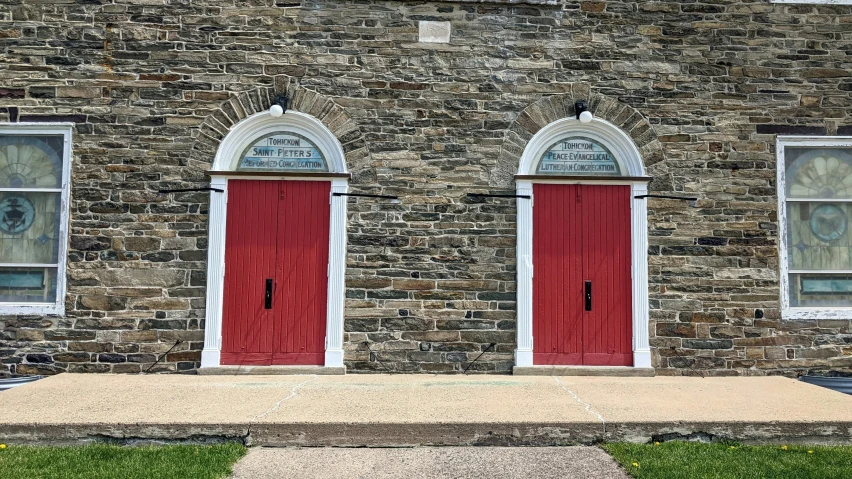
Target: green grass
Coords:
[[689, 460], [105, 461]]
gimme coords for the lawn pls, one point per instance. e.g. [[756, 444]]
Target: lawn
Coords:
[[689, 460], [105, 461]]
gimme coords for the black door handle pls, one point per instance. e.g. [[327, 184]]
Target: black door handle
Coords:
[[588, 295], [267, 298]]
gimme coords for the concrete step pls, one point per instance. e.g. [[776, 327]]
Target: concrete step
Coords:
[[601, 371], [413, 434]]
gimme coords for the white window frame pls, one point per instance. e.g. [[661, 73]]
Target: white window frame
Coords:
[[47, 129], [787, 311]]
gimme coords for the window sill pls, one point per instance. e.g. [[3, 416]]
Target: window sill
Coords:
[[816, 313], [52, 309]]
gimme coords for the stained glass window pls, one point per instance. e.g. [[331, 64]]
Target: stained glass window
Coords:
[[818, 197], [31, 170]]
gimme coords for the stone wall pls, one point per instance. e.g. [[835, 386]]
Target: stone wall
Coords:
[[153, 85]]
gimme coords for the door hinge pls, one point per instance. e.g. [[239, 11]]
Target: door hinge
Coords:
[[668, 197], [186, 190]]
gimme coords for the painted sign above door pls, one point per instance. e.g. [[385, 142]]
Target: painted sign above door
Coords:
[[577, 155], [285, 151]]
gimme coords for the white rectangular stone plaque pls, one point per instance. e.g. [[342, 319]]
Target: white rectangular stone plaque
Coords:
[[434, 32]]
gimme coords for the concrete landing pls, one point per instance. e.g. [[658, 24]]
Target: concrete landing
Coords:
[[408, 410]]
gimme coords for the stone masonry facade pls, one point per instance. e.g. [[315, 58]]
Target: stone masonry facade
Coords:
[[152, 87]]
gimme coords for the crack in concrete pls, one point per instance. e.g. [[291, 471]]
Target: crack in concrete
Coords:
[[292, 395], [587, 405]]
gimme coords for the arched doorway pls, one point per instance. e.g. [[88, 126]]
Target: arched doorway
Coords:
[[582, 248], [277, 245]]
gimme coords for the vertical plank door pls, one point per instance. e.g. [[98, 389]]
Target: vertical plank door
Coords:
[[557, 275], [301, 275], [582, 234], [607, 328], [250, 255]]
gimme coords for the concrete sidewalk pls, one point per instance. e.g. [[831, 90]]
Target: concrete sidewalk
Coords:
[[575, 462], [404, 410]]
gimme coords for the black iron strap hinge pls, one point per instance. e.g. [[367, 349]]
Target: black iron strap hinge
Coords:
[[667, 197], [484, 195], [186, 190], [365, 195]]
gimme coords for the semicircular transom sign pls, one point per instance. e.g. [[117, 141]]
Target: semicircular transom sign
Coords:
[[283, 151], [578, 155]]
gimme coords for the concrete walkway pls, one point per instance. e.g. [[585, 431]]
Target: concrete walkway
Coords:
[[576, 462], [410, 410]]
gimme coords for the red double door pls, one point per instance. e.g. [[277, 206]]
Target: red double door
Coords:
[[582, 300], [276, 262]]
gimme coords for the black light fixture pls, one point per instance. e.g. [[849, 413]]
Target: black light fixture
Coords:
[[279, 106], [581, 109]]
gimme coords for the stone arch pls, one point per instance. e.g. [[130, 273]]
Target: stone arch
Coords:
[[244, 104], [552, 108]]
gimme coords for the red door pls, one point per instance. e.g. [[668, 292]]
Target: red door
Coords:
[[582, 299], [276, 261]]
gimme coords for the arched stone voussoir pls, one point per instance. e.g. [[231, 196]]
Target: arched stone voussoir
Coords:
[[242, 105], [549, 109]]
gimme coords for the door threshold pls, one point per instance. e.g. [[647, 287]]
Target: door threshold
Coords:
[[270, 370], [603, 371]]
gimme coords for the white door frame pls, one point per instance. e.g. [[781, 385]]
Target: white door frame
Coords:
[[240, 137], [630, 162]]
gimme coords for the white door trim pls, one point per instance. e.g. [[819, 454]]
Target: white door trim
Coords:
[[234, 143], [630, 162]]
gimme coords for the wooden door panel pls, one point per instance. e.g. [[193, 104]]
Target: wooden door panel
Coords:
[[301, 276], [276, 230], [298, 359], [582, 233], [249, 260], [557, 278], [607, 328]]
